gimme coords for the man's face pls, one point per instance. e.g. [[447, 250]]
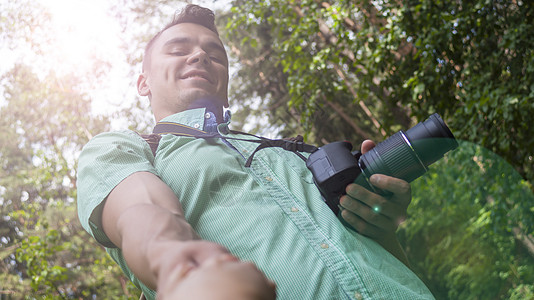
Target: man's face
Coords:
[[187, 62]]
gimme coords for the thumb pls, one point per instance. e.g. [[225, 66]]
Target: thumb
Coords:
[[367, 145]]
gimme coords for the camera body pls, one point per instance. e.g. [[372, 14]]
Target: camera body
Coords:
[[404, 155]]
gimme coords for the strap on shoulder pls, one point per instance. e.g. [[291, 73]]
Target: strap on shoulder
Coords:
[[153, 141], [294, 144]]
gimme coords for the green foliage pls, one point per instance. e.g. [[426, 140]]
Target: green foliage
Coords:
[[45, 119], [319, 56], [336, 70], [476, 62], [466, 227], [21, 25], [36, 253], [356, 69], [290, 67], [364, 69], [44, 252]]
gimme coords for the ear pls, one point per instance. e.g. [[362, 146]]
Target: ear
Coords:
[[226, 104], [143, 89]]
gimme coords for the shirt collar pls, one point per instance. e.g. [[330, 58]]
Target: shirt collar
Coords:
[[198, 118]]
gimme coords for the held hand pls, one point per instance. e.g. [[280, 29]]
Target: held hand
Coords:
[[219, 278], [371, 214], [172, 260]]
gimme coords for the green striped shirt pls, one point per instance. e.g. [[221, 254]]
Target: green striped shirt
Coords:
[[271, 213]]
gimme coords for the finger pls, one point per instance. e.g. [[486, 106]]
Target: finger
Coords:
[[198, 252], [357, 206], [221, 258], [374, 201], [400, 188], [180, 272], [360, 225], [170, 277], [367, 145], [371, 215]]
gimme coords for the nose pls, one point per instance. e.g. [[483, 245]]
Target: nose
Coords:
[[199, 56]]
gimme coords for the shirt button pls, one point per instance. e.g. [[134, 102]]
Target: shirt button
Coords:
[[358, 296], [294, 209], [269, 178], [207, 115], [196, 125], [324, 246]]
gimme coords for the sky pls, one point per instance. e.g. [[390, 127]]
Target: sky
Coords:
[[80, 39], [84, 31], [81, 32]]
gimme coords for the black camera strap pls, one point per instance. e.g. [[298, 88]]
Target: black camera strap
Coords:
[[295, 145]]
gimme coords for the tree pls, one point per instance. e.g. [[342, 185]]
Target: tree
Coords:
[[465, 228], [45, 119], [376, 67], [335, 70], [44, 125], [357, 69]]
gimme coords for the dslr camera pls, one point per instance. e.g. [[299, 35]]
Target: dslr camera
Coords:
[[404, 155]]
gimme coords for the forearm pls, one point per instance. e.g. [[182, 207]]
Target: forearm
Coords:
[[144, 218], [146, 232]]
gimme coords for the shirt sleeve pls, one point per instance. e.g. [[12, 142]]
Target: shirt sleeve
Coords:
[[105, 162]]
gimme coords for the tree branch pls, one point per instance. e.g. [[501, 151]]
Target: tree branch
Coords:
[[339, 110], [526, 240]]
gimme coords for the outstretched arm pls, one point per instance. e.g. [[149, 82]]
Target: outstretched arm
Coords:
[[376, 216], [144, 218]]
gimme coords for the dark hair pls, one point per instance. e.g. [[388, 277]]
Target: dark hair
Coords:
[[190, 14]]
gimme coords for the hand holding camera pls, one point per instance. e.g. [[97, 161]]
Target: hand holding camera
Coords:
[[372, 187], [371, 214]]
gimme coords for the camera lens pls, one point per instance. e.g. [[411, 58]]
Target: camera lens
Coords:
[[431, 139], [407, 155]]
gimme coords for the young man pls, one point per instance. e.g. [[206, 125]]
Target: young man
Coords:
[[166, 217]]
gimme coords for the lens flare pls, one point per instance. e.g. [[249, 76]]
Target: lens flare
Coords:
[[376, 209]]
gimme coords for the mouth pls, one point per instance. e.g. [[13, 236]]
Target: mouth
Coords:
[[197, 75]]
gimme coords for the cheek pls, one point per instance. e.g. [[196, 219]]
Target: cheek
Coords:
[[164, 71], [223, 82]]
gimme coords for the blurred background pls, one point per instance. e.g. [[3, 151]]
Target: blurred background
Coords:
[[329, 70]]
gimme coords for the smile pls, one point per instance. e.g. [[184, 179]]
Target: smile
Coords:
[[197, 75]]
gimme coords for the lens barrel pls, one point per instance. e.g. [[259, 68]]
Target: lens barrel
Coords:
[[431, 139], [406, 155]]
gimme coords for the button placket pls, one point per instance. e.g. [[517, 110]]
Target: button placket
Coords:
[[326, 249]]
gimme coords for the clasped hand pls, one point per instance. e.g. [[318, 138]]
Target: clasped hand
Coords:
[[204, 270]]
